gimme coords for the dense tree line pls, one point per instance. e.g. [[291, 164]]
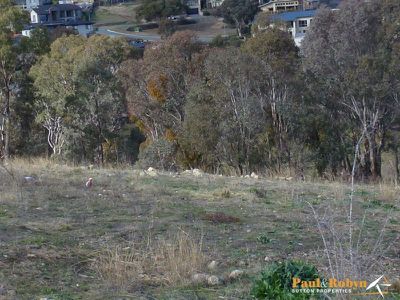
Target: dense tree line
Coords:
[[263, 105]]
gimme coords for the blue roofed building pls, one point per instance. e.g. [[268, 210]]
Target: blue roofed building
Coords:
[[296, 22]]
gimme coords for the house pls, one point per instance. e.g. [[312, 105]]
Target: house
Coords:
[[197, 6], [279, 5], [311, 4], [65, 15], [276, 6], [29, 4], [296, 22], [194, 6]]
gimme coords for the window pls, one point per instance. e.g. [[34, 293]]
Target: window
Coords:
[[302, 23]]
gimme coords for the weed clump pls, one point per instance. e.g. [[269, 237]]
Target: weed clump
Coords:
[[276, 281]]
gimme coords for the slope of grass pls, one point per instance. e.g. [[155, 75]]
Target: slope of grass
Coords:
[[62, 241]]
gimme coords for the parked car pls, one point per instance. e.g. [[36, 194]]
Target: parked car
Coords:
[[140, 44]]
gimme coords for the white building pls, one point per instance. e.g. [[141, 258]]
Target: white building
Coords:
[[279, 5], [59, 15], [296, 22]]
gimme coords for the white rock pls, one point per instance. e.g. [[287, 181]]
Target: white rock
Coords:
[[247, 176], [267, 258], [29, 178], [200, 278], [212, 265], [197, 172], [235, 274], [254, 175], [213, 280], [152, 172]]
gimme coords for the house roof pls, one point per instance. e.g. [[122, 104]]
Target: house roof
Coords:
[[46, 9], [293, 15], [268, 2]]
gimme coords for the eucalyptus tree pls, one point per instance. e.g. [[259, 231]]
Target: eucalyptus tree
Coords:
[[79, 100], [351, 55], [12, 19]]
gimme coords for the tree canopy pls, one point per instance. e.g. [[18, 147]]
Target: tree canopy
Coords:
[[159, 9]]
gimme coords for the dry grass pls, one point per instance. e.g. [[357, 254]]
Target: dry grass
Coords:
[[121, 267], [388, 193], [220, 217], [59, 234], [168, 262]]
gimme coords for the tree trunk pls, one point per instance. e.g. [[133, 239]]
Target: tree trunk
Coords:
[[7, 123], [7, 126], [396, 162]]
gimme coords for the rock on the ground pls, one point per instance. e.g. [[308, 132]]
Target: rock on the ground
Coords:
[[254, 175], [235, 274], [200, 278], [212, 265], [197, 172], [194, 172], [213, 280], [152, 172]]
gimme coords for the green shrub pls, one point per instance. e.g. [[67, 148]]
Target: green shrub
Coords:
[[276, 281]]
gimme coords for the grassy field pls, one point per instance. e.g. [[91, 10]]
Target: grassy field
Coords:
[[137, 235], [123, 13]]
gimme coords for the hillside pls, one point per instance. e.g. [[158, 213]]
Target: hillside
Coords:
[[143, 235]]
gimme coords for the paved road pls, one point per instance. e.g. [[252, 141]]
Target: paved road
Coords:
[[148, 37]]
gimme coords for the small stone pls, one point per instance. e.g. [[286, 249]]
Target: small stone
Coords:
[[235, 274], [200, 278], [248, 230], [213, 280], [267, 258], [247, 176], [29, 179], [212, 265], [254, 175], [197, 172], [152, 172]]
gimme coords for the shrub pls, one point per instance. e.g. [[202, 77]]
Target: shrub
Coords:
[[159, 154], [276, 281], [184, 21], [141, 27]]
